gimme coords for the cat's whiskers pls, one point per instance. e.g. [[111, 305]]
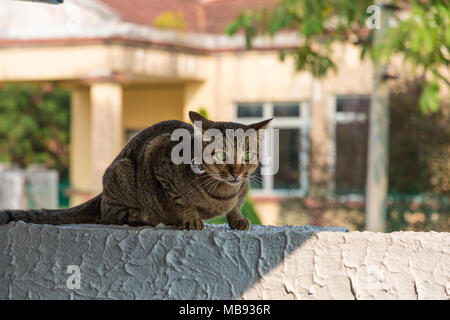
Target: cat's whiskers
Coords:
[[202, 184], [213, 178], [256, 179], [201, 177], [212, 186]]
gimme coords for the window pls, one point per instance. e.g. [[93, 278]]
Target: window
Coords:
[[288, 176], [292, 121], [351, 130], [286, 110], [249, 110]]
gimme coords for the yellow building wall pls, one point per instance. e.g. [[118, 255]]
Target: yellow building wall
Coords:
[[257, 76], [146, 105], [80, 146]]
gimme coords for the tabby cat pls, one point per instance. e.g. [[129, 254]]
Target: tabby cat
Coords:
[[142, 186]]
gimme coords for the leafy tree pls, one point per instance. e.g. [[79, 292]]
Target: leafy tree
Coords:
[[422, 37], [173, 20], [34, 126], [419, 144]]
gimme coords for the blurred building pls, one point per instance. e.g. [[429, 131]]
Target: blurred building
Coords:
[[130, 64]]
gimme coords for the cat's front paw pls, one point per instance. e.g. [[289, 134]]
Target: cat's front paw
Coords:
[[240, 224], [192, 223]]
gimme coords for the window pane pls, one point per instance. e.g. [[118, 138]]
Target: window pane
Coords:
[[288, 176], [351, 147], [352, 103], [286, 110], [249, 110]]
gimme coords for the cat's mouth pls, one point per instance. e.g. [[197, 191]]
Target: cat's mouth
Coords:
[[233, 181]]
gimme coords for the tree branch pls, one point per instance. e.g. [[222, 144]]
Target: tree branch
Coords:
[[440, 76]]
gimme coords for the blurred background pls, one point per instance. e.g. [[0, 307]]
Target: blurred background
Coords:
[[80, 78]]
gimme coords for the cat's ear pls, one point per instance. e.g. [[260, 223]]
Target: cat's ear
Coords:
[[206, 124], [259, 125]]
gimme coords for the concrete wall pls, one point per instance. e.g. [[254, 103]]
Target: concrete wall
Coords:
[[217, 263]]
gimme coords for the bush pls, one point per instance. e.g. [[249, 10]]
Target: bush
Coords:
[[404, 212], [35, 126], [247, 211], [419, 144]]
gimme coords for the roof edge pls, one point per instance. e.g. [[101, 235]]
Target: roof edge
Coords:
[[140, 42]]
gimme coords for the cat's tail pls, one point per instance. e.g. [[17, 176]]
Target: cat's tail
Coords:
[[87, 212]]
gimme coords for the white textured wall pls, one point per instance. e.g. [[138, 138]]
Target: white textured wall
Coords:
[[217, 263]]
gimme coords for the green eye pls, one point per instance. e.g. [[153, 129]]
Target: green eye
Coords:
[[221, 156], [248, 156]]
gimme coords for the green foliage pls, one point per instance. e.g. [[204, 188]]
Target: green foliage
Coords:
[[419, 144], [421, 212], [203, 112], [34, 126], [429, 100], [418, 213], [173, 20], [247, 211], [422, 37], [316, 63], [218, 220]]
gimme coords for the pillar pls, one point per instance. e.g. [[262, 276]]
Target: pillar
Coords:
[[106, 128], [80, 146]]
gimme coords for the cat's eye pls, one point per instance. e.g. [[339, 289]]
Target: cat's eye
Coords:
[[221, 156], [248, 156]]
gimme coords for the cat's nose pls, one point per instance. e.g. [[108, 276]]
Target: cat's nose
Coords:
[[234, 171], [235, 174]]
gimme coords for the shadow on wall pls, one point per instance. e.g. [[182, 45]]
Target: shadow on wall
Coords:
[[121, 262]]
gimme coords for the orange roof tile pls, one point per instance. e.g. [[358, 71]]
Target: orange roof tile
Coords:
[[206, 16]]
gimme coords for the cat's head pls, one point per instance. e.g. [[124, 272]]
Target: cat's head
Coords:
[[229, 161]]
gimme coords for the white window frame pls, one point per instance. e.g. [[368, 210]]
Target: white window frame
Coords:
[[341, 117], [302, 122]]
